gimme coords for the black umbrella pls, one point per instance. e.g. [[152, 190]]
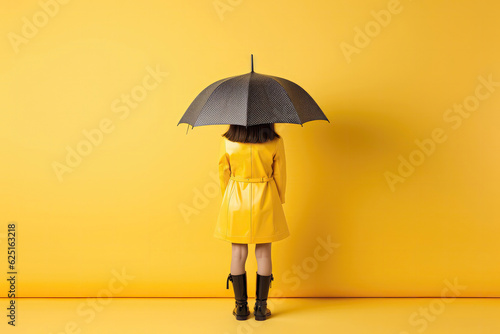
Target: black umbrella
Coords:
[[252, 99]]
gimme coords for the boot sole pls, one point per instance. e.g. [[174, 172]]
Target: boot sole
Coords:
[[261, 317], [241, 316]]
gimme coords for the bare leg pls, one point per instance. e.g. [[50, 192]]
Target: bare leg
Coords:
[[263, 256], [240, 254]]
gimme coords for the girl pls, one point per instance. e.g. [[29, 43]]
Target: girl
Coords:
[[252, 172]]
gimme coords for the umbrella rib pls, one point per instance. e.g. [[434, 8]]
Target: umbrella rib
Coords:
[[222, 81], [288, 96], [248, 95]]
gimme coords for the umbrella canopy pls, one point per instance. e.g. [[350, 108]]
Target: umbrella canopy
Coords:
[[252, 99]]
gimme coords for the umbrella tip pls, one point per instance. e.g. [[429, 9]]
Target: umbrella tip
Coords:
[[251, 57]]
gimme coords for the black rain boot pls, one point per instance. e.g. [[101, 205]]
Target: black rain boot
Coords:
[[241, 310], [261, 311]]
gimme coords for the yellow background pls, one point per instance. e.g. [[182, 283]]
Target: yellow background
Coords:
[[124, 206]]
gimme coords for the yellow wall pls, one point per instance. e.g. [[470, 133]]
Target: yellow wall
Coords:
[[114, 224]]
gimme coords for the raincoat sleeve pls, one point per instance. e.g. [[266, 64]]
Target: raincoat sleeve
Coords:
[[224, 167], [279, 169]]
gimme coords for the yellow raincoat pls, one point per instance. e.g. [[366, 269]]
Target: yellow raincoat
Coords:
[[253, 181]]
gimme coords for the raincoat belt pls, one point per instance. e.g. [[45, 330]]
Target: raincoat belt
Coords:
[[255, 179]]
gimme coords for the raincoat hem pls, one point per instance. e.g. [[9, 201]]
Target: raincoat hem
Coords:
[[247, 240]]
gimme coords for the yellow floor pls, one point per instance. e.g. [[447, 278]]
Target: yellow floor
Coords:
[[290, 315]]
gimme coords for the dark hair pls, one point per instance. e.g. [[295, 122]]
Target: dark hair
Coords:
[[259, 133]]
